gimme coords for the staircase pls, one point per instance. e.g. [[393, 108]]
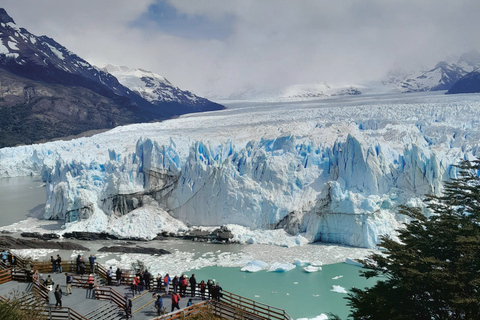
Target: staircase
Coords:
[[106, 312]]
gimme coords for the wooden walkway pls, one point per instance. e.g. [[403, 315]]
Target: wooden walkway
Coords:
[[109, 301]]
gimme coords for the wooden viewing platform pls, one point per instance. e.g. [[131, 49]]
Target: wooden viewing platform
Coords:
[[109, 301]]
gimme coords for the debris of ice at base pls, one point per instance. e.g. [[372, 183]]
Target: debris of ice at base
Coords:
[[296, 282], [338, 289], [32, 253], [255, 266], [316, 263], [312, 269], [256, 296], [353, 262], [337, 277], [323, 316], [281, 267]]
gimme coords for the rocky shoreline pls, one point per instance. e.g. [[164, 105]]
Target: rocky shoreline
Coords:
[[8, 242], [220, 235]]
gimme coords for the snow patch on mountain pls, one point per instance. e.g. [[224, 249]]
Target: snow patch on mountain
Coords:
[[151, 86]]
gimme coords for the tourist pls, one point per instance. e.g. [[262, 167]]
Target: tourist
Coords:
[[193, 285], [54, 264], [91, 285], [118, 276], [49, 283], [79, 260], [134, 286], [159, 304], [146, 278], [210, 288], [189, 303], [166, 282], [175, 284], [58, 296], [175, 299], [202, 287], [217, 292], [4, 257], [128, 307], [109, 276], [69, 281], [59, 264], [159, 283], [28, 272], [82, 266], [91, 260], [183, 283]]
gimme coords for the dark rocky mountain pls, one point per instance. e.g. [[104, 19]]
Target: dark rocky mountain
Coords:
[[46, 86], [468, 84]]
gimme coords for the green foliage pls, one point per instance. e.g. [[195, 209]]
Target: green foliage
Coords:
[[434, 271], [138, 265], [17, 307]]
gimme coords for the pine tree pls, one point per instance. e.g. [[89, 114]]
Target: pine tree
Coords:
[[433, 272]]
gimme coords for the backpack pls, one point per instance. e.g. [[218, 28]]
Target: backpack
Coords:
[[184, 282], [165, 280]]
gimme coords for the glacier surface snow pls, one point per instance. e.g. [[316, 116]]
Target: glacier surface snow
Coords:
[[332, 170]]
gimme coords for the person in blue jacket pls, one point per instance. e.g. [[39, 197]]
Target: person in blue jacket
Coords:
[[159, 304]]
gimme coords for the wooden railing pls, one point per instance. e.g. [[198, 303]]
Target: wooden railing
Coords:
[[62, 313], [5, 275], [40, 291], [188, 311], [232, 304], [110, 294]]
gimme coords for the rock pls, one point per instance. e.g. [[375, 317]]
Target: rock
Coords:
[[14, 243], [42, 236], [136, 249]]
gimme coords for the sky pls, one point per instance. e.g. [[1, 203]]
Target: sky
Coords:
[[219, 47]]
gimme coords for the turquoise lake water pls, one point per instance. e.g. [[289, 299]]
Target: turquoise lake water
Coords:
[[301, 294]]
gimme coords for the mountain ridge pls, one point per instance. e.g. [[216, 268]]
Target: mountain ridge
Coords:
[[39, 64]]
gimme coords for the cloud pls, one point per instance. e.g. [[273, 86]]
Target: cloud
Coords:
[[224, 45]]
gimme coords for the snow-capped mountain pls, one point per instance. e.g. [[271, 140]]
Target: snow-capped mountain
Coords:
[[331, 171], [443, 76], [50, 92], [158, 90]]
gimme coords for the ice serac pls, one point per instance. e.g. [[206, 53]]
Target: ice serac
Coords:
[[334, 175]]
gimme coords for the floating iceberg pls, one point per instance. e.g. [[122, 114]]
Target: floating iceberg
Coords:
[[312, 269], [281, 267], [255, 266], [338, 289]]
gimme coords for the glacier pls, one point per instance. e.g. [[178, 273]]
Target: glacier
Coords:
[[332, 170]]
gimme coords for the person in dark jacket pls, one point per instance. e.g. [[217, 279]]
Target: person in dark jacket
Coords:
[[217, 292], [91, 260], [118, 276], [193, 285], [146, 278], [210, 284], [175, 284], [58, 296]]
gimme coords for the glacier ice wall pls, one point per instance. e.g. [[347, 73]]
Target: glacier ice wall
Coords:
[[329, 174]]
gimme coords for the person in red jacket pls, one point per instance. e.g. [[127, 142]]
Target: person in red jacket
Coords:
[[175, 299]]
